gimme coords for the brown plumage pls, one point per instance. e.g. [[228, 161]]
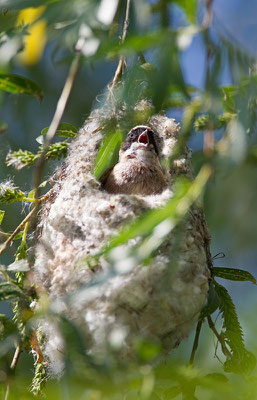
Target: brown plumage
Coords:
[[138, 170]]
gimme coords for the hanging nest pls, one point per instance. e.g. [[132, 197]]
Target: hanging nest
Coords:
[[116, 301]]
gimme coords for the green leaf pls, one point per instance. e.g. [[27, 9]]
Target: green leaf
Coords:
[[242, 360], [19, 84], [229, 93], [108, 153], [212, 304], [189, 6], [9, 291], [64, 129], [185, 194], [3, 127], [133, 43], [1, 216], [233, 274]]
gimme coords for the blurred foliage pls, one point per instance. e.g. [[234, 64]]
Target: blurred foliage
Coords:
[[31, 33]]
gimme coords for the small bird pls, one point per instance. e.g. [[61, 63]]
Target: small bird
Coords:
[[138, 170]]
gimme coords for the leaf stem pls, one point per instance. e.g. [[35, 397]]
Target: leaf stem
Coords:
[[221, 340], [196, 340]]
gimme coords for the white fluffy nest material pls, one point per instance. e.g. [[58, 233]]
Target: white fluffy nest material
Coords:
[[116, 308]]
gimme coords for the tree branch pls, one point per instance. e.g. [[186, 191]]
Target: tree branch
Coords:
[[13, 366], [120, 67], [196, 341]]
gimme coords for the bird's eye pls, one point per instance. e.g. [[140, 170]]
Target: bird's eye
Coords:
[[132, 134]]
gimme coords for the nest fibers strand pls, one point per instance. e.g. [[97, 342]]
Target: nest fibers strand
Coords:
[[119, 307]]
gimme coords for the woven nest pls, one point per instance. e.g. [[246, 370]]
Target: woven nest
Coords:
[[118, 304]]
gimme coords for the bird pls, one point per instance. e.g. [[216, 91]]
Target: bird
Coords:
[[138, 170]]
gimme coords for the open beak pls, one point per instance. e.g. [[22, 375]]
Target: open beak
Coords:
[[144, 139]]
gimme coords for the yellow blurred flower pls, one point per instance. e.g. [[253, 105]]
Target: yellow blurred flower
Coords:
[[35, 41]]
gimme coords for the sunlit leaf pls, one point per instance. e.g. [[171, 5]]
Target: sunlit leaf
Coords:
[[229, 93], [134, 43], [19, 84], [186, 35], [1, 216], [186, 193], [189, 6], [35, 40], [233, 274], [107, 10], [64, 129], [108, 152]]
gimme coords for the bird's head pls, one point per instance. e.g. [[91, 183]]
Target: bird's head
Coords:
[[140, 142]]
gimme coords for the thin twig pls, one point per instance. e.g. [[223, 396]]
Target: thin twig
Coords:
[[196, 341], [23, 223], [120, 67], [17, 230], [16, 357], [60, 108], [13, 366], [224, 348], [208, 15], [209, 140]]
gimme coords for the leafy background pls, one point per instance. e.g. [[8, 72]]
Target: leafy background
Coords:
[[199, 59]]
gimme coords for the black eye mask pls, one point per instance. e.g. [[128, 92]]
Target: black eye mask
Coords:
[[134, 134]]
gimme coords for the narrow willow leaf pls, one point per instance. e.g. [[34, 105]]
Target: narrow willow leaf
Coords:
[[189, 6], [212, 304], [229, 93], [21, 254], [1, 216], [186, 193], [9, 291], [40, 139], [133, 43], [18, 84], [233, 274], [242, 360], [108, 153], [64, 130]]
